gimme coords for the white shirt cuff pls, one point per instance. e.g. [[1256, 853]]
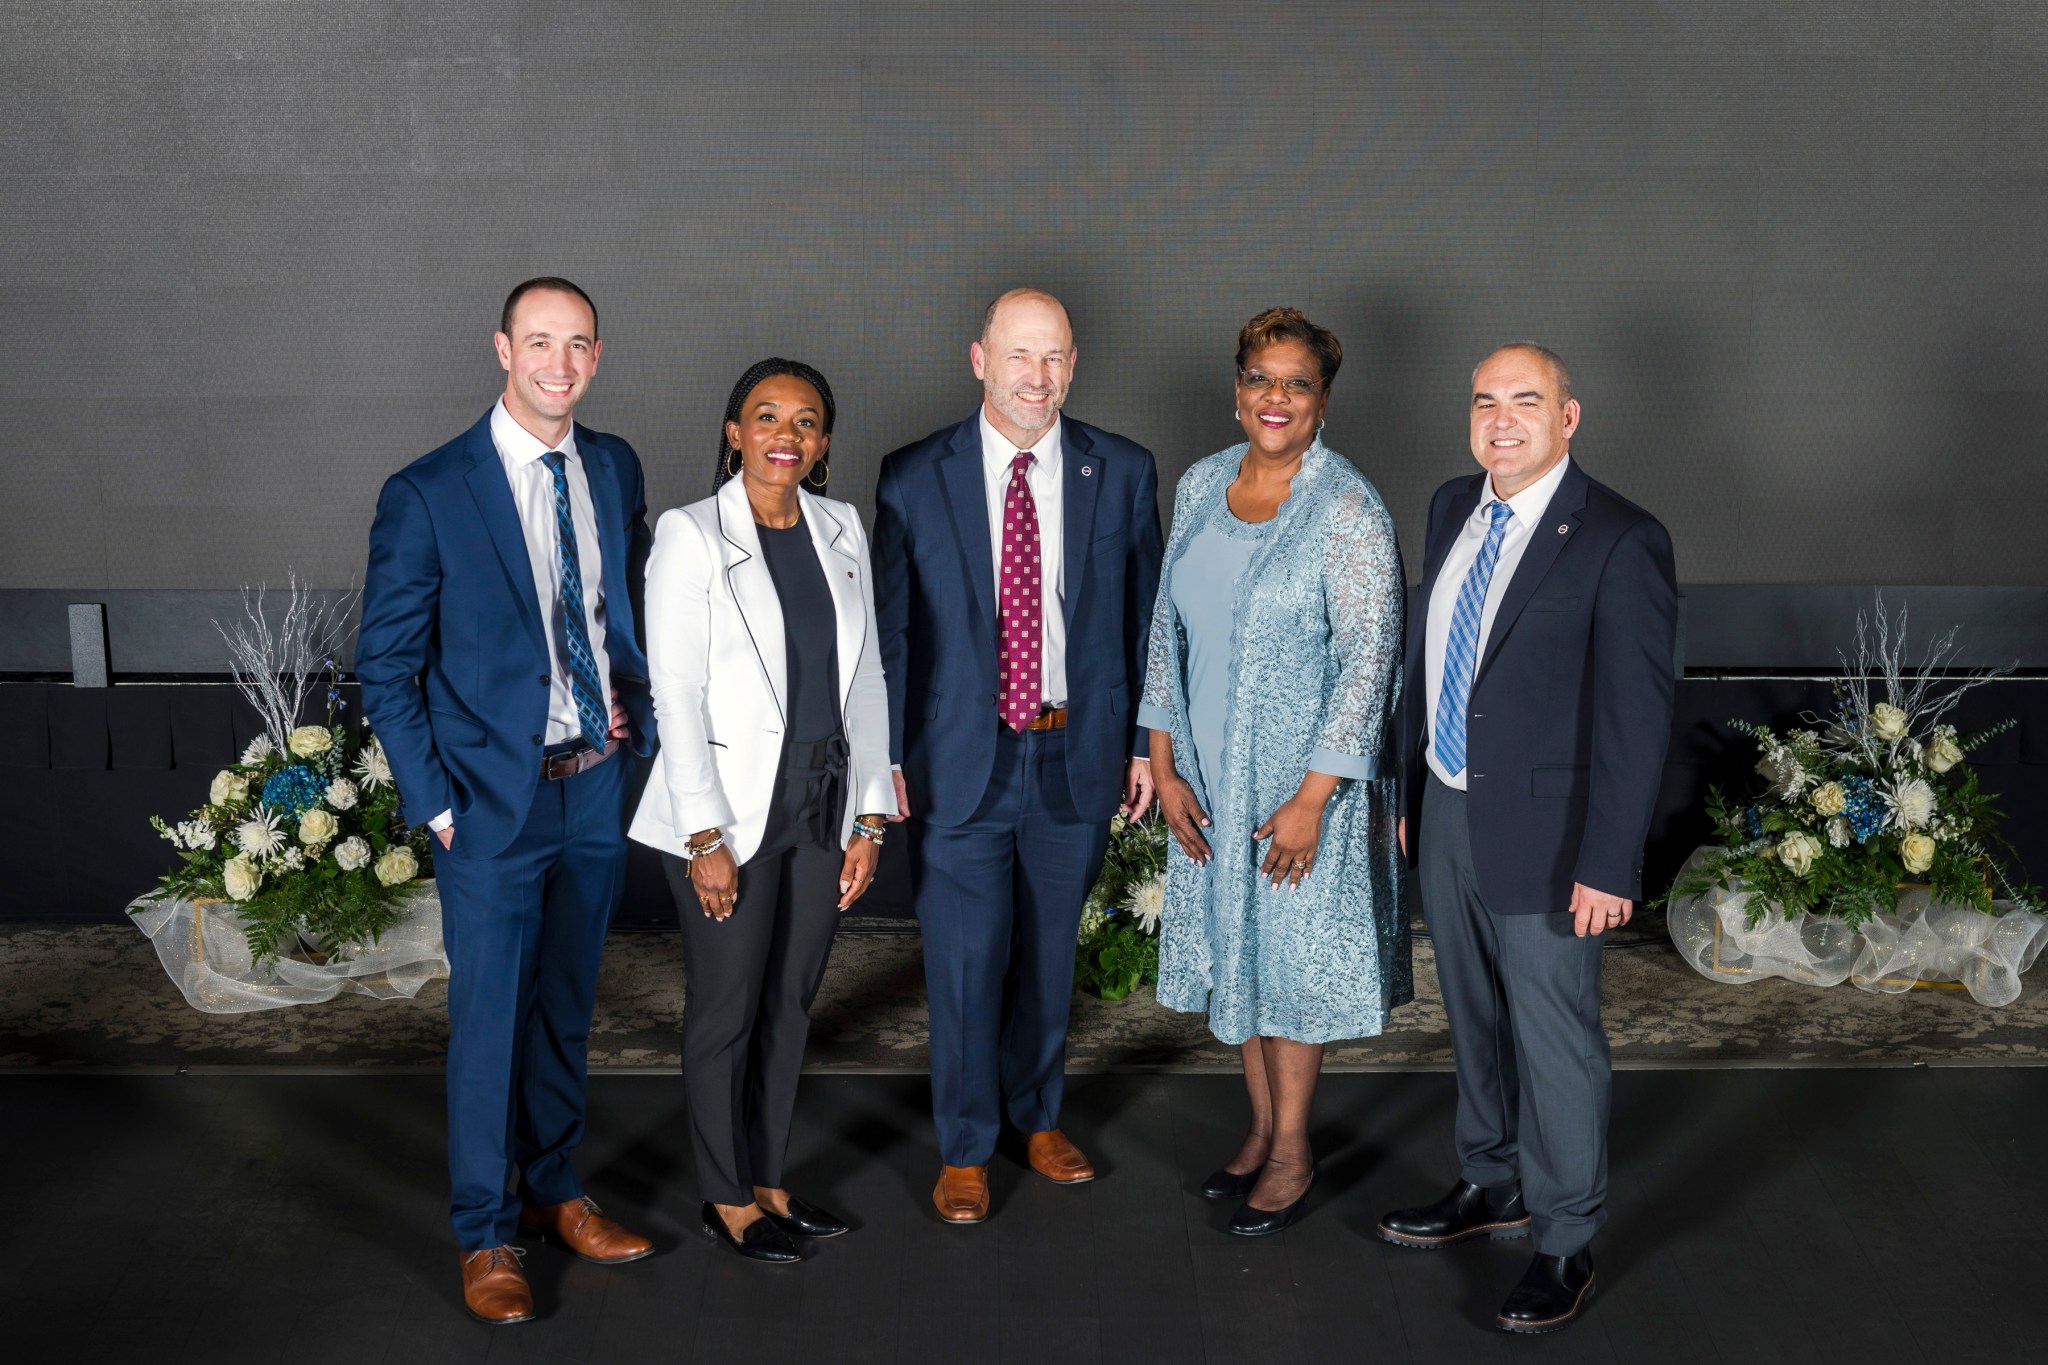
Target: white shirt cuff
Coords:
[[442, 821]]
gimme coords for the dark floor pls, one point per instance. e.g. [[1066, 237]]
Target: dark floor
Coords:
[[1757, 1216]]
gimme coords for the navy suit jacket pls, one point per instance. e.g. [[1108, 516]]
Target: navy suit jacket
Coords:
[[453, 654], [1570, 711], [935, 606]]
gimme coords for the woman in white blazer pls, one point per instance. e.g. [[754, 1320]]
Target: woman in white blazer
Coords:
[[768, 797]]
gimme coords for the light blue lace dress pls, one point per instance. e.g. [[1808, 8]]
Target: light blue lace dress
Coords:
[[1276, 650]]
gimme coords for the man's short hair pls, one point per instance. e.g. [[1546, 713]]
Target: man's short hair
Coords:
[[555, 282], [988, 314], [1549, 357]]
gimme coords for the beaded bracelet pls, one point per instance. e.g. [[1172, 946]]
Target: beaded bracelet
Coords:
[[870, 830], [697, 851]]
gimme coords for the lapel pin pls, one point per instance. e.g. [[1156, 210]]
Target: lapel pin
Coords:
[[849, 573], [1564, 530], [1087, 470]]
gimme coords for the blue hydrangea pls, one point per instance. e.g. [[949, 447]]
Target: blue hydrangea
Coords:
[[1754, 819], [1862, 807], [294, 790]]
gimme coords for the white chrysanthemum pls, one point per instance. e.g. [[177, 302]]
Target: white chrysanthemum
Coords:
[[1912, 803], [1839, 832], [196, 834], [373, 767], [1148, 902], [1781, 766], [258, 835], [341, 794], [352, 853], [259, 749]]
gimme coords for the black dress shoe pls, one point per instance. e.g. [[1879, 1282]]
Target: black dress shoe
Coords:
[[762, 1241], [806, 1220], [1251, 1222], [1468, 1211], [1229, 1185], [1551, 1295]]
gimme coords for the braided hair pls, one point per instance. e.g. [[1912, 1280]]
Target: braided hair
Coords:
[[769, 369]]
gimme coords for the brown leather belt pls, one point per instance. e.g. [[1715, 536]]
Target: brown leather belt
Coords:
[[555, 767], [1051, 718]]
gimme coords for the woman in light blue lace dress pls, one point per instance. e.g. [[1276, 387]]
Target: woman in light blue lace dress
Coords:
[[1272, 688]]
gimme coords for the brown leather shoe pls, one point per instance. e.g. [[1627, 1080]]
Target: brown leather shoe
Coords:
[[1057, 1159], [494, 1287], [961, 1195], [582, 1227]]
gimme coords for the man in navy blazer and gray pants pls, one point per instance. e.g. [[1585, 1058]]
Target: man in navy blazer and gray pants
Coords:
[[1535, 720], [1016, 555], [502, 670]]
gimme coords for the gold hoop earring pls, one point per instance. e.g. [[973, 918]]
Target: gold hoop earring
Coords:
[[820, 468], [730, 456]]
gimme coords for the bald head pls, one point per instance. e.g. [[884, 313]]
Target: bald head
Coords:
[[1560, 377], [1025, 360]]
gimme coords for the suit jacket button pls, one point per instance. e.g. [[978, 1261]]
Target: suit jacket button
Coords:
[[546, 681], [536, 739]]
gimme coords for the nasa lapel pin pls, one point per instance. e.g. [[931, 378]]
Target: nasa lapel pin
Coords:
[[1087, 470]]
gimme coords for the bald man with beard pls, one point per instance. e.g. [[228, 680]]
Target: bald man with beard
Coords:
[[1016, 557]]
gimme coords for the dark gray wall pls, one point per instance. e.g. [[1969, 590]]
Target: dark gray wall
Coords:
[[1795, 251]]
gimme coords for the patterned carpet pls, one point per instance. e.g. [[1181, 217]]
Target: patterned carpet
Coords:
[[96, 997]]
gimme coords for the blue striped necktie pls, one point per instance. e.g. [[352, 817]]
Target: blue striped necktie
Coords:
[[1461, 650], [583, 683]]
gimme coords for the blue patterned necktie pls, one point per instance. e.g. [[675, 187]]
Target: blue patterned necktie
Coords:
[[583, 684], [1461, 650]]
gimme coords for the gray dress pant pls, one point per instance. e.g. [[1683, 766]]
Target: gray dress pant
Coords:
[[1522, 993]]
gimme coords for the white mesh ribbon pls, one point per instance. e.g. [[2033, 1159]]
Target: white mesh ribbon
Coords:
[[205, 949], [1921, 943]]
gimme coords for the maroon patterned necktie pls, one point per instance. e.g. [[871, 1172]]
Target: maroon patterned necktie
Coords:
[[1021, 660]]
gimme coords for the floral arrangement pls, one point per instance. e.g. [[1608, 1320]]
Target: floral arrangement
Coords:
[[303, 831], [1119, 947], [1878, 795]]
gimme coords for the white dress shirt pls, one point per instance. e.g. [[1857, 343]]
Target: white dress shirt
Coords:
[[998, 457], [1527, 507], [533, 493]]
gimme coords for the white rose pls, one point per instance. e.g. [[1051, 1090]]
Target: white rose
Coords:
[[1798, 851], [228, 788], [352, 853], [341, 794], [318, 825], [1887, 720], [1916, 851], [310, 740], [1944, 753], [1828, 798], [397, 865], [243, 877]]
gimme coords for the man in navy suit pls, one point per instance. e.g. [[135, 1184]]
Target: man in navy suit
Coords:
[[1535, 719], [1016, 556], [502, 670]]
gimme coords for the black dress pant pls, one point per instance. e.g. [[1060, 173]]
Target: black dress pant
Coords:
[[749, 979]]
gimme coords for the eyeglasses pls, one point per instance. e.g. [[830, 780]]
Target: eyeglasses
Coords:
[[1296, 387]]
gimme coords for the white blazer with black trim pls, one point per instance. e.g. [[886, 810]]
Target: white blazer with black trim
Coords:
[[718, 670]]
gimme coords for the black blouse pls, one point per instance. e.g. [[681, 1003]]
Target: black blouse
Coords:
[[810, 626]]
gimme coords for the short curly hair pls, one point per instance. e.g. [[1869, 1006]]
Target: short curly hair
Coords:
[[1291, 324]]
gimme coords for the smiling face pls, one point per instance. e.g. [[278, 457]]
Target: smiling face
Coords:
[[1281, 398], [549, 357], [1025, 364], [780, 433], [1521, 423]]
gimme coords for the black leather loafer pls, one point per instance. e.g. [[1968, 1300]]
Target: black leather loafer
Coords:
[[1228, 1185], [1251, 1222], [806, 1220], [1468, 1211], [762, 1241], [1552, 1294]]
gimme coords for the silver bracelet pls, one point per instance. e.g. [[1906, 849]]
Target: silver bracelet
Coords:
[[692, 853]]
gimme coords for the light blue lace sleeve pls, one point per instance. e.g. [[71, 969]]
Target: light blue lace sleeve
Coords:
[[1365, 600]]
